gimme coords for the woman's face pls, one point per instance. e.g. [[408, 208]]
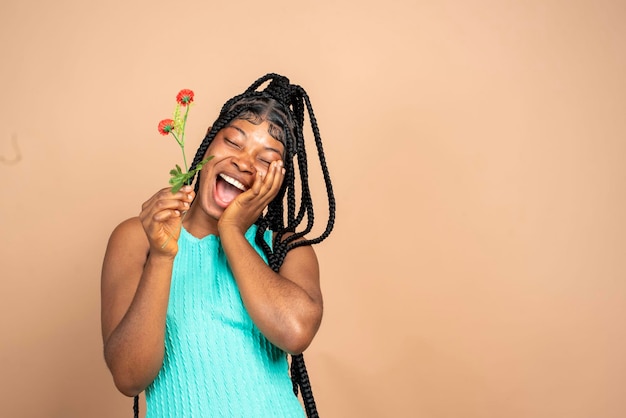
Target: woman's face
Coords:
[[241, 151]]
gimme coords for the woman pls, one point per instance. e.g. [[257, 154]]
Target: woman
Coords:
[[207, 290]]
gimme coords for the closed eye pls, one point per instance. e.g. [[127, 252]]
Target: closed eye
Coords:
[[231, 143]]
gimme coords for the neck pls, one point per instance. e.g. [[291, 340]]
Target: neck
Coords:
[[200, 224]]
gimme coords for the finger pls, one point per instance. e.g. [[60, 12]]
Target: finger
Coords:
[[166, 205], [279, 176], [148, 203], [269, 178], [274, 180], [164, 199], [258, 182], [265, 186], [169, 204], [165, 215], [185, 194]]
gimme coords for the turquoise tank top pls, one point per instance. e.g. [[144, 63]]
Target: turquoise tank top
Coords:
[[217, 363]]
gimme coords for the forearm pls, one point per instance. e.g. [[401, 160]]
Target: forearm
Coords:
[[134, 351], [284, 312]]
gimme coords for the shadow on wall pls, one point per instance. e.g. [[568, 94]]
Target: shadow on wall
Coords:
[[15, 156]]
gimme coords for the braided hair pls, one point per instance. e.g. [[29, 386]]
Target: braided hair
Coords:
[[283, 106]]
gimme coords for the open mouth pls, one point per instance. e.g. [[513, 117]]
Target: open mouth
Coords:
[[228, 188]]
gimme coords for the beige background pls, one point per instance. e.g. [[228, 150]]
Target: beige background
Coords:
[[476, 147]]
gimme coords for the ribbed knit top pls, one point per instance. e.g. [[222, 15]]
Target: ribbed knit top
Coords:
[[217, 363]]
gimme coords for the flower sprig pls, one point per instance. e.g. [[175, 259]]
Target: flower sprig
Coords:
[[176, 127]]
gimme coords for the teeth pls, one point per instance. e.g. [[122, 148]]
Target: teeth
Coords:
[[234, 182]]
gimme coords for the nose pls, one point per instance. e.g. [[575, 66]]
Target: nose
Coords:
[[244, 162]]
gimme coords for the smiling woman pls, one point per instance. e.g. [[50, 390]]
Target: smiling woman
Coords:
[[242, 153], [203, 322]]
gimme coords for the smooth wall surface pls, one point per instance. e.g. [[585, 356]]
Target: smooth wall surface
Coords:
[[478, 264]]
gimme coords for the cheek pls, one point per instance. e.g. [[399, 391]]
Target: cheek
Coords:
[[210, 151], [205, 173], [216, 147], [261, 169]]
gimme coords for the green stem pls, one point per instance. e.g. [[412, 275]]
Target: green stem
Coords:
[[176, 138], [181, 143], [182, 146], [185, 119]]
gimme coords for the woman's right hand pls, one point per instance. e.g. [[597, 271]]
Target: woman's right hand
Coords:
[[161, 217], [135, 289]]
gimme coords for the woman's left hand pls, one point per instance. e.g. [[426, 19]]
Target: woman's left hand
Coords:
[[249, 205]]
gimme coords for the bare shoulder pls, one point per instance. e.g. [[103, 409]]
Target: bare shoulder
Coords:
[[124, 260], [130, 232], [304, 253], [301, 267], [127, 248]]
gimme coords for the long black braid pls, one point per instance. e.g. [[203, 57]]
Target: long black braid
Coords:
[[283, 106]]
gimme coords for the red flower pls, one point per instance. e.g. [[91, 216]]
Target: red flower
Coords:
[[184, 97], [166, 126]]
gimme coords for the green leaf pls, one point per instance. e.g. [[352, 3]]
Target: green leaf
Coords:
[[179, 179], [201, 164]]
